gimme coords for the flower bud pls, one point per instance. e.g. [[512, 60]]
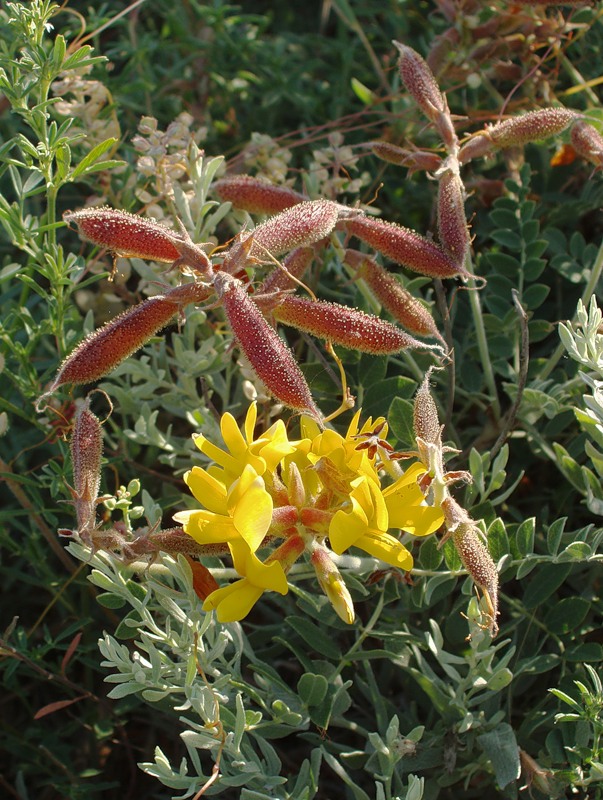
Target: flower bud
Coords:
[[345, 326], [86, 447], [269, 356], [587, 142], [103, 350], [301, 225], [405, 247], [452, 223], [530, 127], [332, 584], [130, 235], [256, 195], [394, 298]]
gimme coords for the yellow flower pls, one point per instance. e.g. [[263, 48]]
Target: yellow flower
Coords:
[[300, 494], [241, 511], [365, 526], [235, 601], [406, 504], [263, 454]]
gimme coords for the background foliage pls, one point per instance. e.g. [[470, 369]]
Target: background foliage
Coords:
[[401, 705]]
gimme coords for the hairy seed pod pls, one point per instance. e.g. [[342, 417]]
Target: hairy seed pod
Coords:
[[103, 350], [530, 127], [296, 263], [587, 142], [86, 447], [394, 298], [256, 195], [420, 82], [474, 555], [423, 87], [345, 326], [132, 236], [405, 247], [414, 160], [269, 356], [478, 146], [301, 225], [452, 222], [426, 424]]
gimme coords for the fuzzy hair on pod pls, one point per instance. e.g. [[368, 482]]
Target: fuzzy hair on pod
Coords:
[[271, 359], [256, 195], [406, 247], [346, 326]]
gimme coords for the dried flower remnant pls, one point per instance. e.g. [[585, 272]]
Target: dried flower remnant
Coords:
[[256, 195], [345, 326], [269, 356], [130, 235], [108, 346], [452, 222], [394, 298], [406, 247], [587, 142]]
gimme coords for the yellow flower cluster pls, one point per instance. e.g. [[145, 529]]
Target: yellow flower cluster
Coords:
[[296, 496]]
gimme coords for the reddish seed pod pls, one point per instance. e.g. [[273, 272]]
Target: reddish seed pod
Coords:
[[345, 326], [301, 225], [422, 85], [414, 160], [256, 195], [473, 553], [107, 347], [86, 447], [405, 247], [452, 223], [296, 263], [531, 126], [132, 236], [420, 82], [587, 142], [426, 424], [394, 298], [269, 356], [478, 146]]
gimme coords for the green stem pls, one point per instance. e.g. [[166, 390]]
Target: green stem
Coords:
[[595, 274], [482, 342]]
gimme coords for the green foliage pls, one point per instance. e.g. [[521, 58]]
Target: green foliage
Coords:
[[415, 700]]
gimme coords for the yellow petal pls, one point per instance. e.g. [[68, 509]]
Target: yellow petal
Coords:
[[423, 521], [233, 438], [385, 547], [216, 454], [207, 489], [253, 514], [250, 420], [403, 504], [346, 528], [410, 477], [207, 528], [233, 602]]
